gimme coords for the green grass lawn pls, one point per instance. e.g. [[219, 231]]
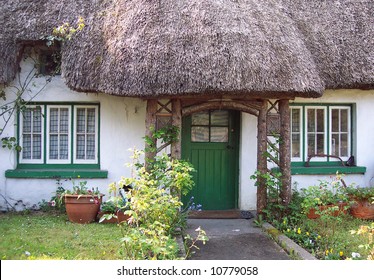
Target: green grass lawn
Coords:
[[38, 235]]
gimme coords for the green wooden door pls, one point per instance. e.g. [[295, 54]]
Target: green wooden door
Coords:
[[210, 141]]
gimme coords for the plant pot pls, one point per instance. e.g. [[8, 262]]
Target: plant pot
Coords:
[[121, 217], [362, 209], [82, 209], [313, 215]]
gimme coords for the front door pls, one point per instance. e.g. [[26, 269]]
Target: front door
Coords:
[[210, 141]]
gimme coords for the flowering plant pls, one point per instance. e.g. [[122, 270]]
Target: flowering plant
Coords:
[[80, 189], [326, 193], [361, 193]]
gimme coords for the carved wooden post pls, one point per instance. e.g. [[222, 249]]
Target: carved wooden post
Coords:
[[285, 151], [176, 121], [150, 122], [261, 157]]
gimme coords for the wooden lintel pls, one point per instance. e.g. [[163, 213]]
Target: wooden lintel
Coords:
[[232, 105]]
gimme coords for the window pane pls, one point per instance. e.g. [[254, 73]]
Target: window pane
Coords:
[[220, 118], [344, 120], [36, 146], [64, 120], [90, 147], [295, 118], [64, 147], [320, 143], [81, 146], [53, 121], [199, 134], [311, 144], [26, 147], [201, 118], [26, 125], [335, 144], [219, 134], [37, 120], [311, 120], [91, 120], [53, 147], [335, 120], [81, 120], [320, 120], [295, 145], [344, 145]]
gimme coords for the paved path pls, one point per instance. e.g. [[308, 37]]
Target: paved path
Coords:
[[234, 239]]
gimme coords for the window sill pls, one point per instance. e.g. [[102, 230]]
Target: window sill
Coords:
[[56, 173], [325, 170]]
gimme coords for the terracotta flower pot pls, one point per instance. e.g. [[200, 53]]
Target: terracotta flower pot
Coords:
[[313, 215], [121, 217], [82, 209], [362, 209]]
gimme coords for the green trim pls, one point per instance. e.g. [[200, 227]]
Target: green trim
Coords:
[[56, 173], [325, 170], [58, 166]]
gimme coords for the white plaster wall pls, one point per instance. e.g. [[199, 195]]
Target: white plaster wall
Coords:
[[122, 124], [247, 162]]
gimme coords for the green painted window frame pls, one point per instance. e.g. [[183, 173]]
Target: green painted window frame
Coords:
[[326, 166], [43, 169]]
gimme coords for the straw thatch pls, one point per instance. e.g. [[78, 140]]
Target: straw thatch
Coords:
[[167, 47]]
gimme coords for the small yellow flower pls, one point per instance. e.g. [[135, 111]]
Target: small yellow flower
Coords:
[[78, 176], [284, 222], [319, 236], [327, 252], [299, 231], [307, 233], [288, 230], [341, 253]]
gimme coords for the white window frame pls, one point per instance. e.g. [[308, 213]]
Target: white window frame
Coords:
[[324, 108], [58, 161], [86, 161], [301, 126], [349, 131], [36, 161]]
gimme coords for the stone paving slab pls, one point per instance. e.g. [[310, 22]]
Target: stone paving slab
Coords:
[[234, 239]]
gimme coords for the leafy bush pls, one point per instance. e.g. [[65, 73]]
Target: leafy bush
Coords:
[[154, 202]]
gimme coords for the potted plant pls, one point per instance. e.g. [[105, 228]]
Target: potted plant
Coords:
[[82, 204], [325, 198], [114, 209], [362, 202]]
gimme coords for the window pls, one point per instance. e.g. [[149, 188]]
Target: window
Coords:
[[59, 134], [210, 126], [320, 130]]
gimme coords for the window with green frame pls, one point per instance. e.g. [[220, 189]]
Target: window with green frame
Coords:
[[59, 134], [321, 130], [59, 140]]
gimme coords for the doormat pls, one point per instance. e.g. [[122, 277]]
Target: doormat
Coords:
[[220, 214]]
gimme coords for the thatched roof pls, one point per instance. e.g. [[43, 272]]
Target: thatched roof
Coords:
[[168, 47]]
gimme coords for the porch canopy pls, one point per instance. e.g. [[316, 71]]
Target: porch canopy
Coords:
[[242, 52]]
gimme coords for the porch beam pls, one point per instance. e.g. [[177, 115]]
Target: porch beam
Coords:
[[176, 120], [150, 122], [261, 157], [219, 105], [285, 151]]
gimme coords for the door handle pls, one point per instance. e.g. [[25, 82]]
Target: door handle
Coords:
[[230, 147]]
